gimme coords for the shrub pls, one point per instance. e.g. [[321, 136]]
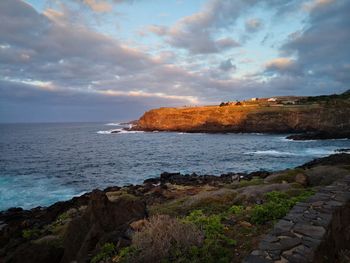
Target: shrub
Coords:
[[31, 233], [106, 251], [276, 206], [236, 209], [217, 247], [162, 238]]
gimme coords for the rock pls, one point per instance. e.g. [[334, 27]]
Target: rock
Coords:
[[322, 135], [100, 218], [256, 259], [302, 179], [245, 224], [334, 159], [36, 253], [319, 175], [261, 174], [315, 232], [282, 227], [288, 243]]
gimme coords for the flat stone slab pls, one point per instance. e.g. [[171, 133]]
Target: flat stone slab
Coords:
[[316, 232]]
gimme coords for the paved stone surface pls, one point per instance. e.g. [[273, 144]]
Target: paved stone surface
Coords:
[[296, 237]]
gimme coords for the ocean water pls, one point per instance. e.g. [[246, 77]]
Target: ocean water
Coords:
[[44, 163]]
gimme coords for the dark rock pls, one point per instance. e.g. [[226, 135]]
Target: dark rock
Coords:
[[335, 159], [261, 174], [282, 226], [320, 136], [316, 232], [36, 253], [256, 259], [288, 243], [275, 254], [85, 233], [310, 242]]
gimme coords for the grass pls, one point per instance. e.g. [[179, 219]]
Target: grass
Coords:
[[207, 201], [245, 183], [32, 233], [287, 176], [106, 252], [277, 206]]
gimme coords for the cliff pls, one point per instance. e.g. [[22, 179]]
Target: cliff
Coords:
[[328, 114]]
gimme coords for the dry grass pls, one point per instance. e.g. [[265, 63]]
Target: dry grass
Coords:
[[160, 235]]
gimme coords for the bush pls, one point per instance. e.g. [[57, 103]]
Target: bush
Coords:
[[161, 239], [217, 247], [31, 233], [277, 205], [107, 251], [236, 209]]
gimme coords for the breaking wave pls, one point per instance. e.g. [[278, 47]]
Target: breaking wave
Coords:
[[118, 131]]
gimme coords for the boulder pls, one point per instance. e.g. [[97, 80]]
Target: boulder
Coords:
[[102, 217]]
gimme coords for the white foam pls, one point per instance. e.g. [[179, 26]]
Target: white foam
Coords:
[[113, 124], [271, 152], [119, 131], [306, 152]]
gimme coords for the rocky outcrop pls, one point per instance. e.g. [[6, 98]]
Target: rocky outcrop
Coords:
[[313, 231], [320, 136], [100, 222], [104, 221], [325, 118]]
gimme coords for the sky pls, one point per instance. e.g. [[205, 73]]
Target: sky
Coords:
[[111, 60]]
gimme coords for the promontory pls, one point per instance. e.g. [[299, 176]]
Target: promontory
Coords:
[[327, 115]]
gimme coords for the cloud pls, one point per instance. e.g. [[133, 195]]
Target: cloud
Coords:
[[253, 25], [197, 32], [281, 65], [101, 6], [315, 4], [322, 48], [98, 5], [52, 62], [227, 65]]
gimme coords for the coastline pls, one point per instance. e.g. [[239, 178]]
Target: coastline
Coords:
[[156, 195]]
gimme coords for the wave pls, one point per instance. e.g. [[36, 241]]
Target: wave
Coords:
[[119, 131], [306, 152], [113, 124], [285, 139]]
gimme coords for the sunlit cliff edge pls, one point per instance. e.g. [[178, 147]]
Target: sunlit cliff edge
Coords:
[[329, 114]]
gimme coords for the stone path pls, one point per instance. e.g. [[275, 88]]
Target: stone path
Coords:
[[312, 231]]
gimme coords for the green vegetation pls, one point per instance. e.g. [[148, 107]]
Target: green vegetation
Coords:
[[217, 247], [106, 252], [207, 201], [254, 181], [236, 209], [63, 217], [287, 176], [31, 233], [277, 205], [210, 226]]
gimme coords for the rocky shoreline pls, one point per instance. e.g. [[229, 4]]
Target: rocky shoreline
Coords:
[[76, 230], [319, 136], [306, 118]]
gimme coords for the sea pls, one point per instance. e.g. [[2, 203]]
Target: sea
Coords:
[[41, 164]]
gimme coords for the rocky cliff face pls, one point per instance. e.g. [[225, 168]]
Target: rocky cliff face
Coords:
[[330, 117]]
